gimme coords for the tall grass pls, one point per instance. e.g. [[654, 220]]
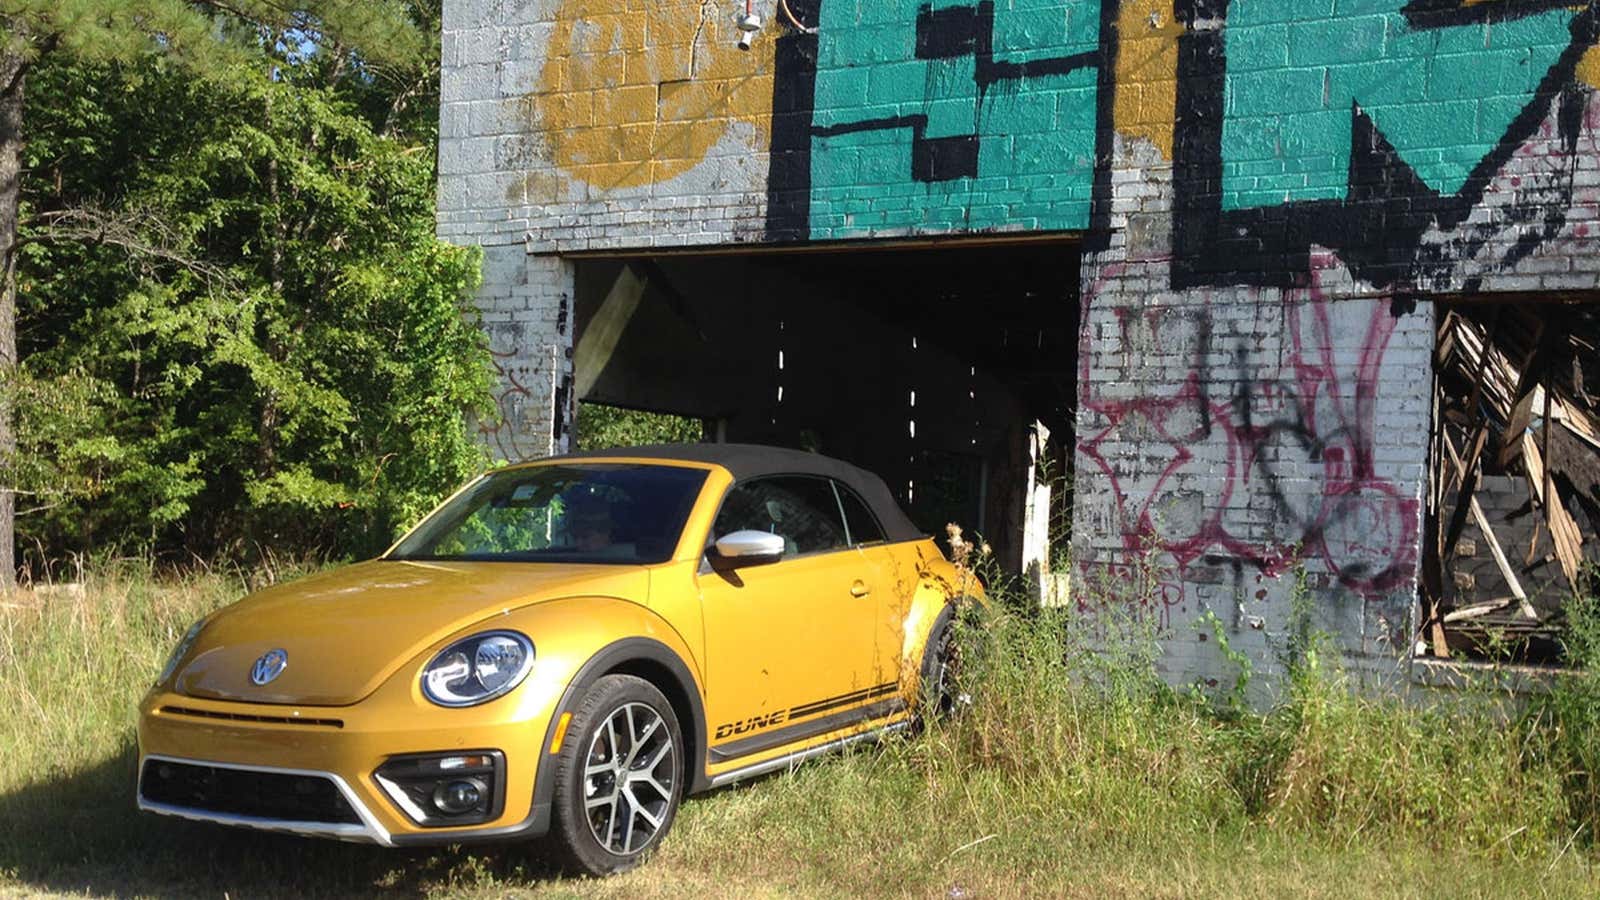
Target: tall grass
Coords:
[[1567, 720], [1074, 770], [75, 659], [1080, 707]]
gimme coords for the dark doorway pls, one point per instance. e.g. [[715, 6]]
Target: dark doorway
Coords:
[[930, 367]]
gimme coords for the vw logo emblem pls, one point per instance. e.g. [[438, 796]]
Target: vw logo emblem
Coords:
[[269, 666]]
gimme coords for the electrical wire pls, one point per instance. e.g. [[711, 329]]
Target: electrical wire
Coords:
[[789, 14]]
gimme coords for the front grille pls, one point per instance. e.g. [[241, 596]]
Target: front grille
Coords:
[[240, 792], [247, 717]]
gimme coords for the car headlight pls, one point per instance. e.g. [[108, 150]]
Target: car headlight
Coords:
[[180, 651], [478, 669]]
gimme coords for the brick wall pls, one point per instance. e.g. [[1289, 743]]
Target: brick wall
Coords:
[[1240, 443], [526, 305], [586, 124], [1272, 192]]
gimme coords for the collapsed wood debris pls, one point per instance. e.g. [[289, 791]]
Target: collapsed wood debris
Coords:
[[1514, 487]]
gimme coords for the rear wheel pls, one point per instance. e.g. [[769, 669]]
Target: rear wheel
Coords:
[[619, 778]]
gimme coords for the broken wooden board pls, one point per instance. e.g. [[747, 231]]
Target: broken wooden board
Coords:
[[1495, 549], [1563, 528], [1511, 442], [1478, 610]]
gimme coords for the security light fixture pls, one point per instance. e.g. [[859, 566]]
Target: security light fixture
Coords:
[[749, 25]]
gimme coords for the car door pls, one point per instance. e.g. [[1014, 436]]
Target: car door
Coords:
[[893, 583], [789, 644]]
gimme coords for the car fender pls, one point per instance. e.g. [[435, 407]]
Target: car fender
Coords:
[[577, 640], [603, 635], [627, 654], [940, 586]]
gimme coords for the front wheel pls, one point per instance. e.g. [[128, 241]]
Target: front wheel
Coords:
[[619, 778], [939, 696]]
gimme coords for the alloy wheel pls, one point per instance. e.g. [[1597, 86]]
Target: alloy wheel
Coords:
[[628, 778]]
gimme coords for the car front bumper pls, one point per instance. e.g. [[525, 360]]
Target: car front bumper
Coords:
[[313, 771]]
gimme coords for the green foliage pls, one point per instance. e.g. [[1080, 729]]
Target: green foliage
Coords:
[[1238, 696], [208, 36], [238, 330], [1080, 699], [600, 427], [1572, 711]]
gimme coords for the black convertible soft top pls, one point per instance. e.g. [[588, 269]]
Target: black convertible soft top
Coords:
[[747, 461]]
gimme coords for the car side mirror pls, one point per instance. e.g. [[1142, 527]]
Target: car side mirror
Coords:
[[748, 548]]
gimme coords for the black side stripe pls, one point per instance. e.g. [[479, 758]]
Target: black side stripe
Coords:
[[820, 706], [800, 731]]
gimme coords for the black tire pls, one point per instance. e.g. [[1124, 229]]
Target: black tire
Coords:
[[937, 692], [613, 804]]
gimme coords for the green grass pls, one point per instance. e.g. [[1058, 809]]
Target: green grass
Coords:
[[1075, 773]]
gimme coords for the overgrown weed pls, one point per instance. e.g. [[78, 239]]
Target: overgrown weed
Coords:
[[1567, 736], [1072, 708]]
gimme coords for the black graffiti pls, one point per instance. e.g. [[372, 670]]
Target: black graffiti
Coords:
[[932, 159], [957, 31], [1377, 229], [951, 33], [1451, 13], [946, 33], [793, 101]]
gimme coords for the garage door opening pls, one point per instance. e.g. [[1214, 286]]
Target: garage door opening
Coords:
[[951, 372]]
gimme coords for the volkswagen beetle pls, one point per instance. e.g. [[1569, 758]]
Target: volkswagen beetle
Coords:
[[567, 647]]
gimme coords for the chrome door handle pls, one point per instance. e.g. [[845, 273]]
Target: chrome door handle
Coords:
[[859, 589]]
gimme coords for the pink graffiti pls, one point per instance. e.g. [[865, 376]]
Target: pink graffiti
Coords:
[[1271, 473], [1152, 589], [511, 399]]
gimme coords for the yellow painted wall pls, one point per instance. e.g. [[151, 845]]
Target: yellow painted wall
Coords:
[[1147, 72], [634, 93]]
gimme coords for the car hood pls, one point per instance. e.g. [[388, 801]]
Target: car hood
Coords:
[[348, 630]]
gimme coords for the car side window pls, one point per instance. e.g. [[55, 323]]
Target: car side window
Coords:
[[801, 509], [861, 523]]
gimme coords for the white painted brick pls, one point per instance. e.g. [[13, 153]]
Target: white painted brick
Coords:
[[479, 82]]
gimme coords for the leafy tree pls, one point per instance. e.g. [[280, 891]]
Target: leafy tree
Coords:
[[238, 328], [601, 427], [210, 36]]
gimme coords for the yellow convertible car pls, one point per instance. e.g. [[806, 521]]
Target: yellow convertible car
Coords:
[[566, 647]]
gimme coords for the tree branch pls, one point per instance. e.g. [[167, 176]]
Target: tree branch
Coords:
[[14, 66], [232, 9], [403, 99], [138, 232]]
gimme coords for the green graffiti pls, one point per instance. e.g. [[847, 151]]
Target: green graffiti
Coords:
[[951, 117], [1443, 97]]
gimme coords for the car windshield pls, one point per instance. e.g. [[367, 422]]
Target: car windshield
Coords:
[[573, 513]]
